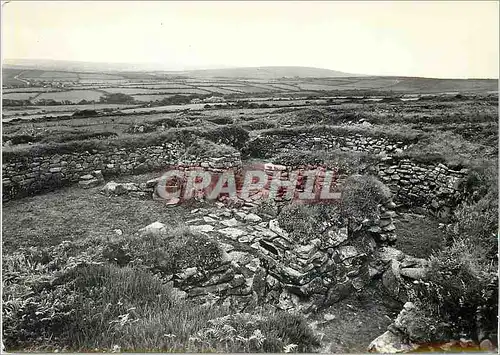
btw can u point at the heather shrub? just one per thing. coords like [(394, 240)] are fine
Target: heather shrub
[(361, 195)]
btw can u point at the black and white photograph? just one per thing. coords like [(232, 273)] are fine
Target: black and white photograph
[(249, 176)]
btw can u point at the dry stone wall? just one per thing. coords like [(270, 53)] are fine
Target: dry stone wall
[(432, 186), (263, 264), (269, 145), (34, 174)]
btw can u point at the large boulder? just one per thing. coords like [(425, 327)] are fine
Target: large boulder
[(390, 343)]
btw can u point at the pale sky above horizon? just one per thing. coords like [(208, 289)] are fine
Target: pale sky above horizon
[(449, 39)]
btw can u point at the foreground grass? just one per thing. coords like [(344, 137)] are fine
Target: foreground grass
[(102, 307), (74, 213), (412, 230)]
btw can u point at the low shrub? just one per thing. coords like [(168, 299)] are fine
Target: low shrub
[(394, 132), (165, 253), (361, 195), (259, 124), (447, 147), (233, 135), (203, 148), (230, 135), (305, 222), (221, 120), (461, 293)]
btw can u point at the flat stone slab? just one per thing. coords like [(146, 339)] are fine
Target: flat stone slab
[(87, 184), (205, 228), (229, 222), (233, 233)]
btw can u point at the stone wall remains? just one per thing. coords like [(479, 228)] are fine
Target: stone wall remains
[(33, 174)]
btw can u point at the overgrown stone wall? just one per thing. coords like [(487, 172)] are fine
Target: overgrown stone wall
[(430, 185), (33, 174), (268, 145)]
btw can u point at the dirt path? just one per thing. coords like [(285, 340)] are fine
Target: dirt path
[(17, 77)]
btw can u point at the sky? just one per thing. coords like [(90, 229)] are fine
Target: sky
[(449, 39)]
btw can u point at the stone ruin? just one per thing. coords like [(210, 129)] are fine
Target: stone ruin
[(263, 265)]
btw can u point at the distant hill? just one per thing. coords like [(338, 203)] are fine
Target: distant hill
[(268, 73), (173, 68), (94, 67)]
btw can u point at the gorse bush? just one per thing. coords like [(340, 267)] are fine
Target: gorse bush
[(361, 195), (203, 148), (461, 293)]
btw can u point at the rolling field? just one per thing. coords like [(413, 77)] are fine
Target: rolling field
[(143, 89), (74, 96), (20, 95)]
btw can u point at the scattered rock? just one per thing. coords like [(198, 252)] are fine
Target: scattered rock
[(336, 237), (487, 345), (87, 184), (230, 222), (388, 253), (391, 279), (155, 228), (414, 273), (347, 252), (113, 188), (274, 226), (329, 317), (152, 183)]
